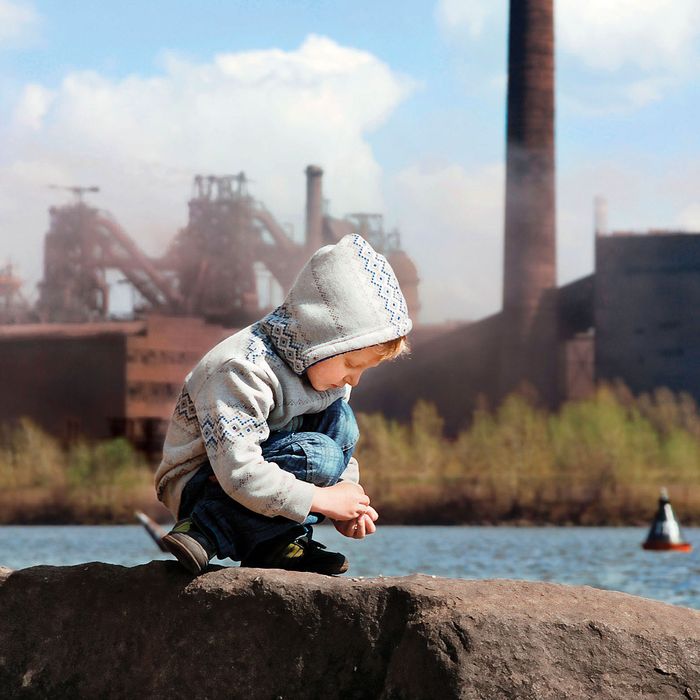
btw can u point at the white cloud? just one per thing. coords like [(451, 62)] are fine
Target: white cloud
[(634, 51), (603, 34), (689, 218), (16, 19), (609, 35), (34, 103), (470, 16), (452, 223), (641, 195), (644, 91), (613, 97), (143, 138)]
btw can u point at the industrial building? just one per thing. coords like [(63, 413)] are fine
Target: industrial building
[(646, 300), (633, 320), (77, 372), (101, 380)]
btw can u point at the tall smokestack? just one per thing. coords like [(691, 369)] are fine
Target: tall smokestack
[(530, 240), (314, 208)]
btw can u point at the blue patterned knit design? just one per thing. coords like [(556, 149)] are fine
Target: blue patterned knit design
[(282, 328), (184, 408), (219, 429), (259, 345), (383, 279)]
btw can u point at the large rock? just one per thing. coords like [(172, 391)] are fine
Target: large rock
[(101, 631)]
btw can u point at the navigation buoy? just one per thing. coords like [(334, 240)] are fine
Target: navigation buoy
[(665, 534)]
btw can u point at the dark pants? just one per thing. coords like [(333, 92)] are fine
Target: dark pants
[(318, 453)]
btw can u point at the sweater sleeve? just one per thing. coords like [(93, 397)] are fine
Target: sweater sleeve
[(232, 408), (352, 472)]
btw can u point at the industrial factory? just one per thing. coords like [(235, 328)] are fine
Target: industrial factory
[(68, 366), (634, 319)]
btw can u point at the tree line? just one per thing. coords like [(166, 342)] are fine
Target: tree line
[(601, 460)]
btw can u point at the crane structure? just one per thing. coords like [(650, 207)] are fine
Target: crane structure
[(214, 257), (215, 267), (82, 244)]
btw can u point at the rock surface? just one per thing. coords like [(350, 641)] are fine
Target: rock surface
[(152, 631)]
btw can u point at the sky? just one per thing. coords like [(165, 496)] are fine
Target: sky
[(401, 103)]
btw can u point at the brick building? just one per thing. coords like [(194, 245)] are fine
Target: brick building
[(101, 380)]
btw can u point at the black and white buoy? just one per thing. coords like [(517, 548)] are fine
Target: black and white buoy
[(665, 533)]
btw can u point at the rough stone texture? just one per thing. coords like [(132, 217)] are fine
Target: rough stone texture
[(102, 631)]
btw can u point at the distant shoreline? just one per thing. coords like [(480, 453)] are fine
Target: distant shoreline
[(596, 462), (50, 507), (394, 521)]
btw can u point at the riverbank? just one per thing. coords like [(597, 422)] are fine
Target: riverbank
[(599, 461), (40, 508)]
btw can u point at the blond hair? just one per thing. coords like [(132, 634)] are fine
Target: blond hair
[(392, 348)]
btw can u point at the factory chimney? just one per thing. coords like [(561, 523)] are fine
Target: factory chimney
[(529, 313), (314, 208)]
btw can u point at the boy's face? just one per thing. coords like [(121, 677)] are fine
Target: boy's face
[(340, 370)]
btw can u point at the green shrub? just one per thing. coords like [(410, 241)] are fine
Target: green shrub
[(42, 481), (601, 459)]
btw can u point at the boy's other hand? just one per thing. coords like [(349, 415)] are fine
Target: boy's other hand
[(360, 527), (342, 501)]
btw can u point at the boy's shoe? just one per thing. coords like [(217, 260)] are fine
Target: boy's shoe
[(301, 554), (189, 546)]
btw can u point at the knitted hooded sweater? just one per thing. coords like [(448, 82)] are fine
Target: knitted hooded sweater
[(345, 298)]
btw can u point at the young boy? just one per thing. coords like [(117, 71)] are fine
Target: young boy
[(260, 444)]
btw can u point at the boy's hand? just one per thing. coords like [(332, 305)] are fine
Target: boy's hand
[(342, 501), (360, 527)]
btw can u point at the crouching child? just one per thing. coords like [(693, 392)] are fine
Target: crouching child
[(260, 444)]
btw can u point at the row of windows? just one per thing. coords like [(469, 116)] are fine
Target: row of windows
[(149, 356), (147, 391)]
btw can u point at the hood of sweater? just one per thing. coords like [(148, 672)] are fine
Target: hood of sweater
[(345, 298)]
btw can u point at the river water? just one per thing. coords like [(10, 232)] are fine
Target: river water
[(609, 558)]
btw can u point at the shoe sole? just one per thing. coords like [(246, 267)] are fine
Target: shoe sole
[(194, 562), (328, 572)]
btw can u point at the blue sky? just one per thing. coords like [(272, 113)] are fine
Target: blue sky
[(402, 103)]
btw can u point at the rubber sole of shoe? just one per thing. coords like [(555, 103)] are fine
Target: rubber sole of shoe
[(188, 552), (324, 572), (343, 568)]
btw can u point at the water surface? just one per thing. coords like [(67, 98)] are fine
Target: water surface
[(609, 558)]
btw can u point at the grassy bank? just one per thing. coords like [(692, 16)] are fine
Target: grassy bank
[(598, 461), (43, 482)]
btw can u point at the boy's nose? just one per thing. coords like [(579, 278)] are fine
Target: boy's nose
[(353, 379)]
